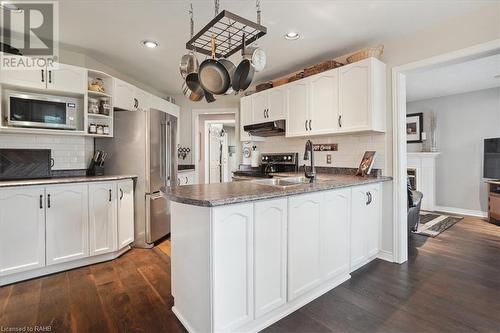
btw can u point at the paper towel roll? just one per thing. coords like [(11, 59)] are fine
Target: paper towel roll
[(255, 158)]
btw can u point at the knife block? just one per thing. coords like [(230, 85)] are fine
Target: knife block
[(95, 170)]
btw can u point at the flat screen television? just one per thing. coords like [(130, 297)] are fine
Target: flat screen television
[(491, 158)]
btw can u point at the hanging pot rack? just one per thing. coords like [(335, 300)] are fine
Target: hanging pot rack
[(228, 30)]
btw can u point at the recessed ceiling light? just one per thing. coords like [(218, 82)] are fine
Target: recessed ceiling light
[(292, 35), (151, 44)]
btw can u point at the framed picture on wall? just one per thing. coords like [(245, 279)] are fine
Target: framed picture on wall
[(414, 127)]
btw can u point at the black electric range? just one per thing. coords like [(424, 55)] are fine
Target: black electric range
[(270, 163)]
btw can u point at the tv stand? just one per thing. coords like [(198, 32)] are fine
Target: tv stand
[(494, 201)]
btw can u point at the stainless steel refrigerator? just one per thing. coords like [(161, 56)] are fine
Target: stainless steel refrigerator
[(145, 145)]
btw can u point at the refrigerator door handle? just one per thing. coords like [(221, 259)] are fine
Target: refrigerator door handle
[(162, 151), (169, 153)]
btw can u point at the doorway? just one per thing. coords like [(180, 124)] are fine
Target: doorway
[(216, 144), (400, 165)]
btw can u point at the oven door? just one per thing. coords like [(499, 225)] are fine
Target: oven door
[(33, 110)]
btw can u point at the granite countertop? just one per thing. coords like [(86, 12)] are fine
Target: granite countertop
[(62, 180), (211, 195)]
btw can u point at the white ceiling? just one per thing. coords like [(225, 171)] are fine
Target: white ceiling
[(111, 30), (454, 79)]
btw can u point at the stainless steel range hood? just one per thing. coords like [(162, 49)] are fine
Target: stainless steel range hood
[(271, 128)]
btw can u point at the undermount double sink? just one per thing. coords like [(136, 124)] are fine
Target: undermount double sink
[(284, 182)]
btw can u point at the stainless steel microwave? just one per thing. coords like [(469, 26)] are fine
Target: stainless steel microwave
[(41, 111)]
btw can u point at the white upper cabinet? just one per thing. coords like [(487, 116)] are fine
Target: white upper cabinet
[(259, 107), (64, 78), (66, 223), (324, 99), (124, 95), (342, 100), (297, 106), (67, 78), (362, 96), (25, 78), (22, 229), (102, 218), (131, 98), (125, 213), (268, 105), (142, 99)]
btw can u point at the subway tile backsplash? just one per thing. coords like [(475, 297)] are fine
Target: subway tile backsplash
[(68, 152), (350, 149)]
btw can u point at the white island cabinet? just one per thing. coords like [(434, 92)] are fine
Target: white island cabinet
[(241, 267)]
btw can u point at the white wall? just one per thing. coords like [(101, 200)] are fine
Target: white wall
[(186, 118), (68, 152), (463, 122)]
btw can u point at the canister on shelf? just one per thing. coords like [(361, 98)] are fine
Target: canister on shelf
[(104, 106), (100, 129), (93, 105), (105, 129), (92, 128)]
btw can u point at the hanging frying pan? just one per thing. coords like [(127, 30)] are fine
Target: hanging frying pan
[(191, 88), (213, 76), (231, 68), (244, 73)]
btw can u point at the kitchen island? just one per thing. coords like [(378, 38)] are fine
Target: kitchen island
[(246, 254)]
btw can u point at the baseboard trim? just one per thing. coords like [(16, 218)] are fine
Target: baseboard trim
[(51, 269), (460, 211), (386, 255)]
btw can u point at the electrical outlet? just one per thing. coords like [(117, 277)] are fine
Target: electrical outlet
[(328, 158)]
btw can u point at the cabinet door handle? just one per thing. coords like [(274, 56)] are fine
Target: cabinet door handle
[(367, 198), (50, 76), (121, 194), (305, 125), (371, 198), (186, 180), (48, 200), (109, 195), (340, 120), (310, 127), (136, 103), (43, 75), (41, 201)]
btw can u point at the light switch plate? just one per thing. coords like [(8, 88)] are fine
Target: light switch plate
[(328, 158)]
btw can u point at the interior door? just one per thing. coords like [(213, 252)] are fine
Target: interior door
[(157, 149), (215, 158)]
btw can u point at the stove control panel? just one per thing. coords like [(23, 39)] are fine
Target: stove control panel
[(280, 158)]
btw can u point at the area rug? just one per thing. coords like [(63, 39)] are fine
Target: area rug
[(432, 224)]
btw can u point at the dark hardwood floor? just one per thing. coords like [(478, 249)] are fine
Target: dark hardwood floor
[(450, 284)]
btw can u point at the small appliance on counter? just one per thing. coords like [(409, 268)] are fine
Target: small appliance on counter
[(25, 164), (270, 163), (247, 153)]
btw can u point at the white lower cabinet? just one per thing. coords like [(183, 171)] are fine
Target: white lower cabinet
[(270, 243), (125, 212), (304, 249), (365, 224), (232, 266), (335, 221), (318, 243), (22, 229), (66, 223), (102, 218), (44, 226)]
